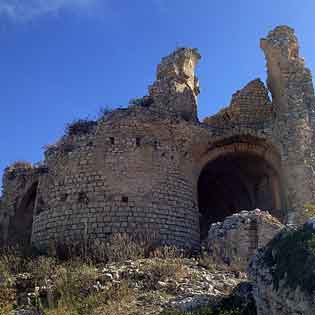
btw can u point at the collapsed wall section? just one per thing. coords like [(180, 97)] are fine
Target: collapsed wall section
[(249, 106)]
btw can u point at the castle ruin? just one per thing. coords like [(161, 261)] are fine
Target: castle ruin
[(153, 167)]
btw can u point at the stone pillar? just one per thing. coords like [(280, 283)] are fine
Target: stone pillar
[(176, 87), (291, 86)]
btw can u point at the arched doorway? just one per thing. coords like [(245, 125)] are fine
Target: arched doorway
[(20, 227), (234, 181)]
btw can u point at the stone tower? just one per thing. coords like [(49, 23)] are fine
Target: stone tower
[(290, 84), (154, 168)]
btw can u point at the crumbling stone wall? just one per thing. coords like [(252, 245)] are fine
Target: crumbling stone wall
[(287, 123), (176, 87), (18, 201), (250, 105), (137, 169), (235, 240), (132, 174), (290, 83)]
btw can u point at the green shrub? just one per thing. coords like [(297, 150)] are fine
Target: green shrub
[(136, 101), (13, 169), (80, 127), (143, 101), (291, 257)]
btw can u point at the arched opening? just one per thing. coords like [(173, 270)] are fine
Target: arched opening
[(20, 228), (234, 182)]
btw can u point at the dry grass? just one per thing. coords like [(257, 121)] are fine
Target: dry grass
[(42, 268), (121, 247), (7, 298), (72, 279), (168, 252), (158, 271), (7, 291), (77, 301)]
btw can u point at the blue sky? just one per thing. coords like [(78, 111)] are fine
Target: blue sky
[(64, 59)]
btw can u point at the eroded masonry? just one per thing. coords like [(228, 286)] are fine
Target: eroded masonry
[(154, 168)]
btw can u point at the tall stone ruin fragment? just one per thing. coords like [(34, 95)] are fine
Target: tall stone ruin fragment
[(290, 84)]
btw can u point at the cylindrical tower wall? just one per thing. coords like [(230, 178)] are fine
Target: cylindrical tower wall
[(132, 174)]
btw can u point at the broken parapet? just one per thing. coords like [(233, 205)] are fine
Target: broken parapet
[(250, 105), (177, 87)]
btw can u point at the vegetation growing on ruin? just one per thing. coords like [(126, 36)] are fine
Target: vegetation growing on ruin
[(20, 164), (291, 257), (143, 101), (80, 127), (14, 168)]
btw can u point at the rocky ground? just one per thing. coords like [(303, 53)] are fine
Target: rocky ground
[(143, 286), (128, 278)]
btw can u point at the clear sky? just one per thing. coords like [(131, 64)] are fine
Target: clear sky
[(64, 59)]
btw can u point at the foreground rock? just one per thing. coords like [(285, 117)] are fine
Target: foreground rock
[(235, 240), (283, 273), (154, 286)]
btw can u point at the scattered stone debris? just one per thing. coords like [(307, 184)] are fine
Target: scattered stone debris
[(235, 240), (157, 284)]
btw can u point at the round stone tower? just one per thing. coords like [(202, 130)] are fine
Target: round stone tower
[(130, 172), (153, 169)]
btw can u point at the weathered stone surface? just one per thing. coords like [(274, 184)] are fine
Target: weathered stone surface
[(177, 87), (235, 241), (283, 273), (290, 84), (154, 168), (250, 105), (27, 311)]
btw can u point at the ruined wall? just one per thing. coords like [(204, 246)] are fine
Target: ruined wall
[(18, 202), (236, 240), (250, 105), (250, 113), (137, 170), (131, 173), (176, 88), (290, 83)]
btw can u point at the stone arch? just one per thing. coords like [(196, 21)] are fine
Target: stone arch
[(239, 174), (20, 226)]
